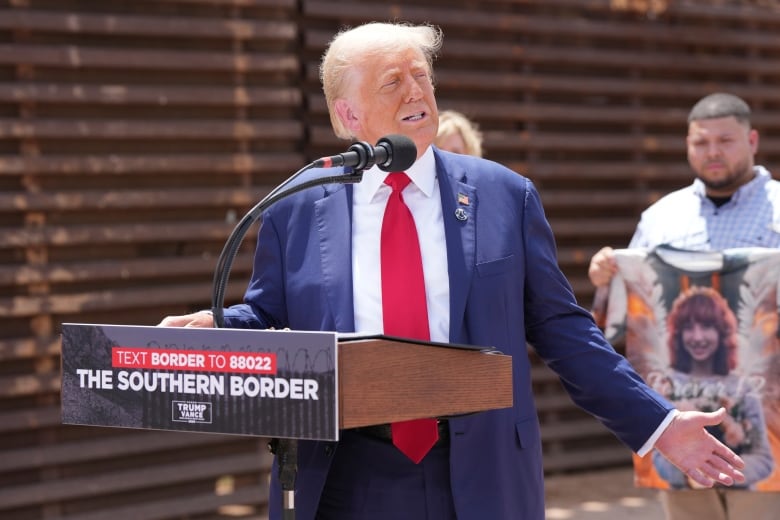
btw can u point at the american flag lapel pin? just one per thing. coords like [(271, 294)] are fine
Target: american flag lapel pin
[(460, 213)]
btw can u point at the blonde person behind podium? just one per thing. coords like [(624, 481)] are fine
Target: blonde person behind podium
[(491, 278), (458, 134)]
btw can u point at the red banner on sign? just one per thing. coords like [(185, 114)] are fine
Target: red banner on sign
[(193, 360)]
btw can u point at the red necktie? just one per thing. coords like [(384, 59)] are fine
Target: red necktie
[(404, 309)]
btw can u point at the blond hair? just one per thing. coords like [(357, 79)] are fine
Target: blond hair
[(351, 46), (452, 123)]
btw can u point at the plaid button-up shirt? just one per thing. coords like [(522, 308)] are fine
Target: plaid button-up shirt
[(687, 219)]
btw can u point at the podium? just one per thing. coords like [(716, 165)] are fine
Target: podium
[(281, 384), (387, 379)]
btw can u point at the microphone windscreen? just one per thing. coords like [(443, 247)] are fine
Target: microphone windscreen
[(403, 152)]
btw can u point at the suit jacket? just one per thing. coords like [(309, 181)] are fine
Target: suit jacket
[(506, 291)]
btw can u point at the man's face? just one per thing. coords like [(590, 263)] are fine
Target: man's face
[(390, 94), (721, 152)]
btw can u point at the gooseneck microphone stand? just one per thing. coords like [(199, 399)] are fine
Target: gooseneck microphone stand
[(229, 251), (286, 450), (393, 152)]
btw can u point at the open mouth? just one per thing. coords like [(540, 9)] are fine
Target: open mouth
[(415, 117)]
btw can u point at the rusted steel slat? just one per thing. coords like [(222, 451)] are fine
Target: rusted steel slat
[(27, 384), (584, 141), (678, 171), (579, 227), (456, 18), (116, 233), (208, 163), (590, 458), (281, 4), (138, 480), (116, 269), (608, 58), (127, 443), (110, 300), (596, 200), (149, 129), (460, 79), (83, 200), (77, 57), (27, 348), (163, 95), (145, 26), (562, 430), (30, 420)]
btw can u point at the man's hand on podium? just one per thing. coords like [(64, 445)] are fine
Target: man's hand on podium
[(203, 319)]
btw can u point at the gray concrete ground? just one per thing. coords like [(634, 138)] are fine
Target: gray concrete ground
[(600, 495)]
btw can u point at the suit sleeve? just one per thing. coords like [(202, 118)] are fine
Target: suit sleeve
[(566, 337), (263, 300)]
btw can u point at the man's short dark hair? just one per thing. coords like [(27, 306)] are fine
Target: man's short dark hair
[(718, 105)]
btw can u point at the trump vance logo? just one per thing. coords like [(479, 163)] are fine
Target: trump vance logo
[(191, 412)]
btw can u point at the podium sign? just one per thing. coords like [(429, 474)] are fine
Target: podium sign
[(249, 382), (284, 384)]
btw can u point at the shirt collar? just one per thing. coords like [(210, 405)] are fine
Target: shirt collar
[(760, 178), (422, 173)]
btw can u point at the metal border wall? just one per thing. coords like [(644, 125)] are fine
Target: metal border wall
[(134, 134)]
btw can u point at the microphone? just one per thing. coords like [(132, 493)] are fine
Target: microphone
[(394, 152)]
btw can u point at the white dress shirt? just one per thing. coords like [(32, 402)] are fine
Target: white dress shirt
[(368, 206)]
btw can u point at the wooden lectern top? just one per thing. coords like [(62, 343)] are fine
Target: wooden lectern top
[(382, 379)]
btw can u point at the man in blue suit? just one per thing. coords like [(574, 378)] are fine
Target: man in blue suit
[(491, 278)]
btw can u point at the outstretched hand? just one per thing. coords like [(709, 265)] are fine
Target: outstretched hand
[(698, 454)]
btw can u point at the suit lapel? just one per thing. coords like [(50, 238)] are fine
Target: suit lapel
[(459, 207), (333, 217)]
